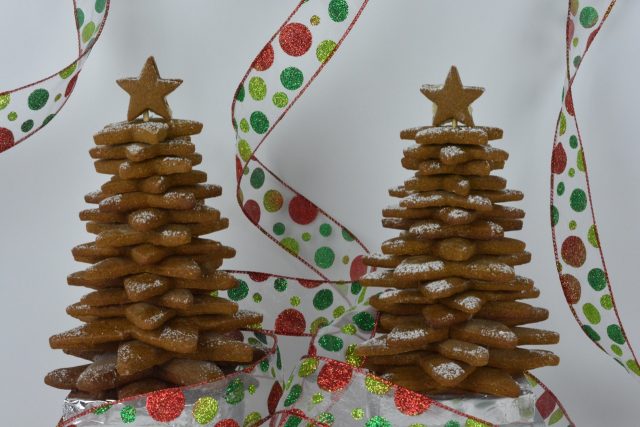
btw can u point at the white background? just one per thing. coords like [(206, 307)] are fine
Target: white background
[(348, 123)]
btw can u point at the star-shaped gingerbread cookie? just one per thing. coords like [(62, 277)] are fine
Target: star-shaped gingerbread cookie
[(148, 91)]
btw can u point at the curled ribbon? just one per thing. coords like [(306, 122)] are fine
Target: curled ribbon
[(27, 109), (576, 243)]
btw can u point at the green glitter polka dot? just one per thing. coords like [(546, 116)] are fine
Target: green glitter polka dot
[(79, 17), (323, 299), (606, 302), (12, 116), (326, 418), (38, 99), (245, 171), (257, 88), (575, 41), (324, 257), (591, 333), (291, 78), (597, 279), (317, 398), (307, 367), (616, 350), (101, 410), (588, 17), (452, 423), (128, 414), (295, 300), (234, 392), (252, 388), (257, 297), (573, 141), (293, 421), (280, 99), (278, 228), (272, 201), (331, 342), (347, 236), (67, 72), (264, 365), (338, 311), (240, 93), (27, 126), (365, 321), (615, 333), (244, 149), (100, 5), (376, 386), (572, 225), (555, 216), (291, 245), (349, 329), (57, 97), (357, 413), (325, 230), (205, 409), (320, 322), (315, 20), (306, 236), (338, 10), (560, 189), (572, 172), (474, 423), (240, 292), (378, 421), (591, 313), (578, 200), (5, 100), (633, 366), (592, 237), (351, 357), (244, 126), (563, 124), (280, 284), (580, 161), (257, 178), (88, 31), (251, 419), (356, 287), (345, 259), (325, 49), (259, 122), (294, 395)]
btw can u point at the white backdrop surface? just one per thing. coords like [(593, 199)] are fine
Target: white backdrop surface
[(339, 146)]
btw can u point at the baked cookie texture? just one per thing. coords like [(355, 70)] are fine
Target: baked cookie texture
[(153, 319), (454, 314)]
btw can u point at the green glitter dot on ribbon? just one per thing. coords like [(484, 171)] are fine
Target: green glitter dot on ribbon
[(27, 126), (244, 149), (280, 99), (563, 124), (293, 395), (307, 367), (240, 93), (240, 292), (306, 236), (588, 17), (376, 386), (5, 100), (279, 228), (555, 216), (356, 287), (88, 31), (293, 421), (378, 421), (244, 126), (597, 279), (234, 392), (38, 99), (591, 333), (325, 49), (324, 257), (280, 284), (347, 236), (331, 342), (317, 398), (616, 350), (349, 329), (326, 418), (257, 178), (205, 409), (291, 245), (338, 10), (318, 323), (325, 230), (12, 116), (357, 413), (264, 365), (251, 419), (101, 410), (128, 414), (578, 200), (257, 297), (323, 299), (592, 237), (560, 188), (606, 302), (338, 311), (100, 5), (259, 122), (257, 88), (633, 366), (295, 300), (291, 78), (79, 17), (573, 141), (48, 119), (364, 320), (615, 333), (591, 313)]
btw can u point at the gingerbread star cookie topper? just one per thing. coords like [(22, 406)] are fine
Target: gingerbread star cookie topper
[(452, 100), (148, 91)]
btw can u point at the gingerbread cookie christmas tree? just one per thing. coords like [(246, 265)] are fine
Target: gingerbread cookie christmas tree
[(454, 320), (153, 319)]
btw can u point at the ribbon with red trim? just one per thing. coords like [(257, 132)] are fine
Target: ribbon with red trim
[(578, 252), (27, 109)]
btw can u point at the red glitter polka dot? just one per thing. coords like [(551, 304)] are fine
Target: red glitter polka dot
[(559, 159), (310, 284), (571, 288), (259, 277), (252, 209), (71, 85), (358, 269), (295, 39), (573, 251), (264, 60), (6, 139), (274, 397), (290, 322), (410, 403), (546, 404), (227, 423), (302, 211), (334, 376), (568, 103), (165, 405), (238, 168)]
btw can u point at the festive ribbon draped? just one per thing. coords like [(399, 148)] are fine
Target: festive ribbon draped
[(579, 256), (26, 110)]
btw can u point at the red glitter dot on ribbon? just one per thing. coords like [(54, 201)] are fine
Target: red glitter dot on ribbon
[(6, 139), (295, 39), (290, 322), (573, 251), (558, 159), (165, 405), (259, 277), (310, 284), (568, 103), (409, 402), (358, 269), (264, 60), (274, 397), (238, 168), (571, 288), (252, 209), (546, 404), (71, 85), (302, 211), (334, 376), (227, 423)]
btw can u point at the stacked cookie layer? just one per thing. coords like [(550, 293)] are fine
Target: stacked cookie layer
[(152, 320), (454, 318)]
